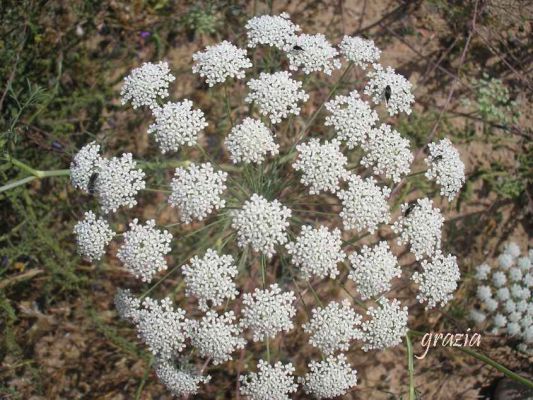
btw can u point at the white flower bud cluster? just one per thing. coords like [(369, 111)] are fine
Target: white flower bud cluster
[(329, 378), (84, 165), (118, 182), (400, 90), (127, 305), (270, 382), (364, 204), (196, 191), (92, 236), (323, 166), (351, 118), (268, 312), (387, 325), (373, 268), (261, 224), (388, 153), (250, 141), (446, 168), (421, 228), (216, 336), (179, 382), (361, 52), (211, 278), (317, 251), (333, 327), (162, 328), (276, 95), (271, 30), (313, 53), (438, 280), (219, 62), (176, 124), (505, 294), (144, 249), (144, 85)]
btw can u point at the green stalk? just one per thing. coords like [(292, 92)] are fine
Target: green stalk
[(410, 367), (35, 174)]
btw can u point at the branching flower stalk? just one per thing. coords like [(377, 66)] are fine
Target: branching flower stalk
[(255, 239)]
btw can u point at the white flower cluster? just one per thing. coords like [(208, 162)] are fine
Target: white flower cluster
[(387, 325), (329, 378), (196, 191), (268, 312), (270, 382), (127, 305), (271, 30), (144, 85), (219, 62), (506, 296), (261, 224), (323, 166), (364, 204), (250, 141), (438, 280), (446, 168), (211, 278), (421, 227), (176, 124), (179, 382), (351, 118), (317, 251), (359, 51), (313, 53), (118, 182), (400, 89), (216, 336), (92, 236), (373, 268), (333, 327), (84, 164), (162, 328), (276, 95), (144, 249), (388, 153)]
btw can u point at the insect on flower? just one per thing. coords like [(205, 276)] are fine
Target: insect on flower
[(409, 209), (297, 48), (437, 158), (92, 183), (387, 93)]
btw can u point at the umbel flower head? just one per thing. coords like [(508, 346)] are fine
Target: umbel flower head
[(351, 118), (85, 166), (269, 382), (268, 312), (127, 305), (333, 327), (323, 166), (179, 382), (359, 51), (271, 30), (445, 167), (197, 190), (276, 95), (144, 249), (387, 325), (211, 279), (177, 124), (144, 85), (400, 89), (329, 378), (373, 268), (312, 53), (261, 224), (317, 251), (220, 62), (93, 235), (250, 141)]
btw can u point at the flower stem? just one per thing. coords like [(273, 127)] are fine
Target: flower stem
[(410, 367), (35, 174)]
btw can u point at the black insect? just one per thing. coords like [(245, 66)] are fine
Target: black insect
[(56, 146), (92, 183), (409, 209), (297, 48), (388, 92), (437, 158)]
